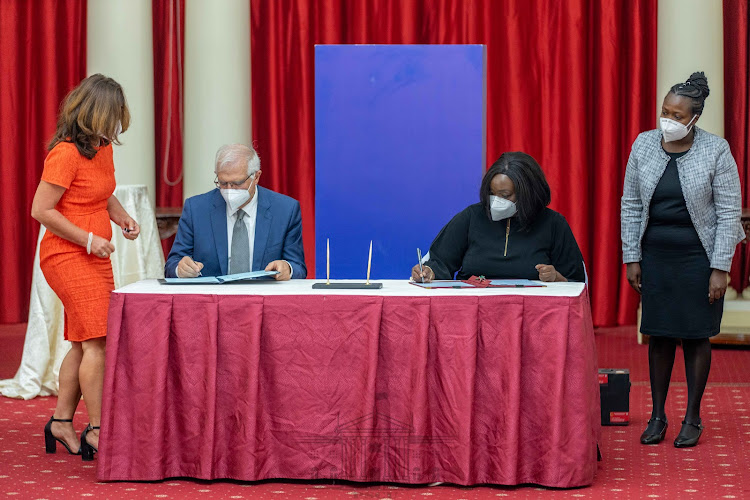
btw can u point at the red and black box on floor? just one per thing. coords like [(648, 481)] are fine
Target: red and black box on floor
[(614, 391)]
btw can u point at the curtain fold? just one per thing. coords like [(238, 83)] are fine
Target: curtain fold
[(737, 111), (571, 83), (42, 57), (168, 36)]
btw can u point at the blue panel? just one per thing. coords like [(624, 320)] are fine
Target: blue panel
[(399, 150)]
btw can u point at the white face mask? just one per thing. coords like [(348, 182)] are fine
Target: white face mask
[(500, 208), (235, 198), (674, 130)]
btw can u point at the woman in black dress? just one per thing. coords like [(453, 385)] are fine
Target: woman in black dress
[(681, 211), (509, 234)]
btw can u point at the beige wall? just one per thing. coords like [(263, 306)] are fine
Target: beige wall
[(690, 38), (217, 86), (217, 75), (119, 45)]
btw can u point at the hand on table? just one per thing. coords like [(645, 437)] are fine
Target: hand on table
[(425, 276), (283, 267), (547, 272), (188, 268)]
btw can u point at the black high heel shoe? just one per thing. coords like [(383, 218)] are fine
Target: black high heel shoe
[(654, 437), (50, 441), (684, 441), (87, 451)]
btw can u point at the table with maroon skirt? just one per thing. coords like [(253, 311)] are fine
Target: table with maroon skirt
[(402, 384)]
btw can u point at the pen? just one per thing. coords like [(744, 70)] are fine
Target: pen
[(369, 263), (419, 257)]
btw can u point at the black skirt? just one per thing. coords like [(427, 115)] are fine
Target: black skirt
[(674, 285), (675, 270)]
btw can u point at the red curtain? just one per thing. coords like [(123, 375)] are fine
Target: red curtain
[(572, 83), (168, 30), (42, 57), (737, 110)]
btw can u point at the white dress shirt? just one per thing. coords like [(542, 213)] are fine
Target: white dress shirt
[(251, 211)]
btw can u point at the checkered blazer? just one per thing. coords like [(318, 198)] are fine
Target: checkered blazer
[(710, 185)]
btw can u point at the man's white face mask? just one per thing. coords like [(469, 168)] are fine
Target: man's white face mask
[(235, 198)]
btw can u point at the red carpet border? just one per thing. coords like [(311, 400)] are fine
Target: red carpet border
[(718, 468)]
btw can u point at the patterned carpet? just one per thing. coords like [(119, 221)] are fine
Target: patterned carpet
[(716, 468)]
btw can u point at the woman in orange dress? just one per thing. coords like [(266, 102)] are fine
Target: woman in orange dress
[(74, 201)]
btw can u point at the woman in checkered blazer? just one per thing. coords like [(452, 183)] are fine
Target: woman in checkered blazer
[(680, 217)]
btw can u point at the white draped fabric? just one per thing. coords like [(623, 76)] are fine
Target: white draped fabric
[(44, 347)]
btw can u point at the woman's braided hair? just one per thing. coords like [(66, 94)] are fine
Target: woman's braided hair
[(696, 88)]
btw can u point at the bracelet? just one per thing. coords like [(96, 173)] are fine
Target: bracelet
[(88, 245)]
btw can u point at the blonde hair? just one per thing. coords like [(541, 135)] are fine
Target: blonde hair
[(91, 112)]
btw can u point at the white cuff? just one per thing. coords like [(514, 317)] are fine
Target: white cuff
[(177, 270), (291, 268)]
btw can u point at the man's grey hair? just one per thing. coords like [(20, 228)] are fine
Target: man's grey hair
[(230, 156)]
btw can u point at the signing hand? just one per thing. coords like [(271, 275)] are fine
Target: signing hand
[(283, 267), (130, 228), (101, 247), (188, 268), (717, 285), (425, 276), (547, 272)]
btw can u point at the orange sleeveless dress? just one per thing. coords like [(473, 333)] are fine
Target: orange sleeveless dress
[(83, 282)]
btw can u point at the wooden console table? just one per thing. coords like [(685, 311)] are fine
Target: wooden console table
[(167, 219)]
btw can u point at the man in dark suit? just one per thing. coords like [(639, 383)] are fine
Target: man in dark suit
[(239, 226)]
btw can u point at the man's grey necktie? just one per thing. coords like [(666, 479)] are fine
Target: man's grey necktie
[(240, 262)]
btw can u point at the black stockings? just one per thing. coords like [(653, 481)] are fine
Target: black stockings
[(660, 361), (661, 352), (697, 365)]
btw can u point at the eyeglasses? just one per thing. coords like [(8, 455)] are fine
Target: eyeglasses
[(229, 185)]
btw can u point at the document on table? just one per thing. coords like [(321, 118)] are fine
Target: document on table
[(192, 281), (443, 284), (218, 280), (515, 283)]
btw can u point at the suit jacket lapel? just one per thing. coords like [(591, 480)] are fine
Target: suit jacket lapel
[(262, 227), (219, 227)]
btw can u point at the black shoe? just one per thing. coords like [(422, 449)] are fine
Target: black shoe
[(50, 441), (87, 451), (687, 436), (654, 433)]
